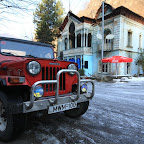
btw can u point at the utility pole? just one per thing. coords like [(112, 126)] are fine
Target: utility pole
[(69, 5), (102, 29), (102, 38)]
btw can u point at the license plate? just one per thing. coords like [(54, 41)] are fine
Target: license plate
[(62, 107)]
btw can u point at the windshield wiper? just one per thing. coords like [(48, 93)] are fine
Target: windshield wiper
[(30, 56), (7, 53)]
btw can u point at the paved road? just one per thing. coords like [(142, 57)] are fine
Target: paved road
[(115, 116)]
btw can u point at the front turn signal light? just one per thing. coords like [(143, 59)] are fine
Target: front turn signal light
[(16, 80)]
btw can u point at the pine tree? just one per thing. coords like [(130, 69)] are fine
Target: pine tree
[(48, 17)]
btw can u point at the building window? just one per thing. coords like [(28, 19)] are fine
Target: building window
[(129, 39), (85, 38), (89, 39), (72, 60), (72, 35), (82, 62), (86, 64), (79, 40), (61, 55), (65, 58), (65, 43), (106, 67), (78, 61), (106, 32), (108, 42), (127, 68), (140, 41)]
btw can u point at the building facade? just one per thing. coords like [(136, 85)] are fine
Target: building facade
[(79, 40)]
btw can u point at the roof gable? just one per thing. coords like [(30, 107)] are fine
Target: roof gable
[(75, 18), (125, 12), (108, 9)]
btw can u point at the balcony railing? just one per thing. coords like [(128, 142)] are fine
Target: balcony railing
[(107, 47), (79, 50)]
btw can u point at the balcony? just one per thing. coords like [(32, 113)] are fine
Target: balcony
[(78, 51), (107, 47)]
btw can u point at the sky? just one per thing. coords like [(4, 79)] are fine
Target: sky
[(21, 25)]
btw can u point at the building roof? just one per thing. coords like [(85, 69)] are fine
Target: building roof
[(25, 41), (129, 14), (125, 12), (115, 11), (81, 19)]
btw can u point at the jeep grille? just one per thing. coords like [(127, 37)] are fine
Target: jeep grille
[(49, 73)]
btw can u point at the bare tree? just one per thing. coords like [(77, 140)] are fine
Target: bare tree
[(16, 8)]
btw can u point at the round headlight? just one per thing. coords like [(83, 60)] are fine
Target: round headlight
[(34, 67), (38, 91), (72, 67)]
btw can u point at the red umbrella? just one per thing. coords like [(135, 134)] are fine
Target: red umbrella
[(117, 59)]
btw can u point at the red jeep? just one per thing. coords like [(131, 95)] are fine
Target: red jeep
[(32, 80)]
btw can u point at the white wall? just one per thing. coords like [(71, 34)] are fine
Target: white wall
[(126, 25)]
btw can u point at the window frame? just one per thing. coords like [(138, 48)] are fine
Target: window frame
[(86, 64), (89, 39), (78, 40), (107, 66), (66, 43), (129, 39), (140, 41)]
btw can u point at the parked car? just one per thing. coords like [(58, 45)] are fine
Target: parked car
[(31, 79)]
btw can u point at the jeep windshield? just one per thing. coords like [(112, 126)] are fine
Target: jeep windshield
[(26, 50)]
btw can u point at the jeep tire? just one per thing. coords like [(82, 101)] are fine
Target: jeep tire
[(80, 110), (10, 124)]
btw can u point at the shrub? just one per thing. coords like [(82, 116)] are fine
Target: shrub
[(140, 61), (82, 72)]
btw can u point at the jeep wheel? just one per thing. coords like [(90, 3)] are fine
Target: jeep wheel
[(10, 125), (80, 110), (3, 119)]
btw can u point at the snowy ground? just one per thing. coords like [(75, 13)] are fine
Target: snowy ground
[(115, 116)]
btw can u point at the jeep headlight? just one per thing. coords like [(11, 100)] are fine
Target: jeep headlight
[(72, 67), (34, 67)]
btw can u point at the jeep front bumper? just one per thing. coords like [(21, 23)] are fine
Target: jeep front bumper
[(44, 104)]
